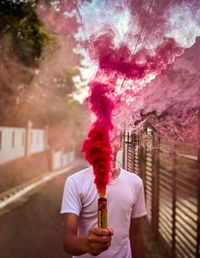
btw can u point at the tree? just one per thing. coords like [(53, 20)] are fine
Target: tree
[(29, 51), (19, 19)]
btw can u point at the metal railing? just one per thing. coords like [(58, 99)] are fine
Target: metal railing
[(172, 191)]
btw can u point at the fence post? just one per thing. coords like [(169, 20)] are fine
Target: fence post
[(174, 196), (133, 149), (142, 156), (28, 139), (144, 165), (123, 149), (155, 176), (198, 205), (130, 152)]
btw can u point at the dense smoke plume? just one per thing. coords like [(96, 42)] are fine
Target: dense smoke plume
[(134, 46)]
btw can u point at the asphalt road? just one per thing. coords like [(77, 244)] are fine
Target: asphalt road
[(32, 227)]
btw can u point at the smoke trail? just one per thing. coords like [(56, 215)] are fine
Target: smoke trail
[(133, 44), (132, 66), (132, 53), (97, 147)]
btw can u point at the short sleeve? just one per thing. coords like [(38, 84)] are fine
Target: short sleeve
[(139, 208), (71, 202)]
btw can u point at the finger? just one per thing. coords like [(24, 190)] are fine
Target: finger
[(100, 231), (110, 231), (97, 248), (108, 245), (99, 239), (100, 247), (95, 251)]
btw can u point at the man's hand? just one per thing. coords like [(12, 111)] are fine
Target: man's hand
[(98, 240)]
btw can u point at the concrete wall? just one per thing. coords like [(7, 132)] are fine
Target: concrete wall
[(61, 160), (65, 159), (37, 141), (12, 143), (19, 142), (23, 142)]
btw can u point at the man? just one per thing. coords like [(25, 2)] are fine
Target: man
[(126, 210)]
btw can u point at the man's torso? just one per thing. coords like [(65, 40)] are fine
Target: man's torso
[(120, 202)]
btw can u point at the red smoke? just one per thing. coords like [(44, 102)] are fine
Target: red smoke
[(159, 32), (98, 152), (97, 147), (130, 65), (101, 104), (116, 63)]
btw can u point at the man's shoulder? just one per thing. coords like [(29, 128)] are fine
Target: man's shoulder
[(81, 180), (132, 177), (82, 174)]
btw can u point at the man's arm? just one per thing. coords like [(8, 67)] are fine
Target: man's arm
[(136, 237), (97, 241)]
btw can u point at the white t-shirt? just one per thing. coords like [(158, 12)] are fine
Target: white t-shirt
[(125, 200)]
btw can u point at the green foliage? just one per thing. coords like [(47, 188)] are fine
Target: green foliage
[(20, 19)]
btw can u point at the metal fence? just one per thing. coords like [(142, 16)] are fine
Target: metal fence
[(172, 191)]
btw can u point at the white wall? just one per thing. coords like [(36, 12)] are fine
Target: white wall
[(37, 141), (65, 159), (61, 160), (57, 160), (12, 143), (71, 156)]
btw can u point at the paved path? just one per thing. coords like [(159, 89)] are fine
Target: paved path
[(32, 227)]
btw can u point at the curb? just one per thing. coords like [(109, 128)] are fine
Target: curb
[(15, 193)]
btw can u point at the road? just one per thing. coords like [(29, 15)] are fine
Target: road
[(32, 227)]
